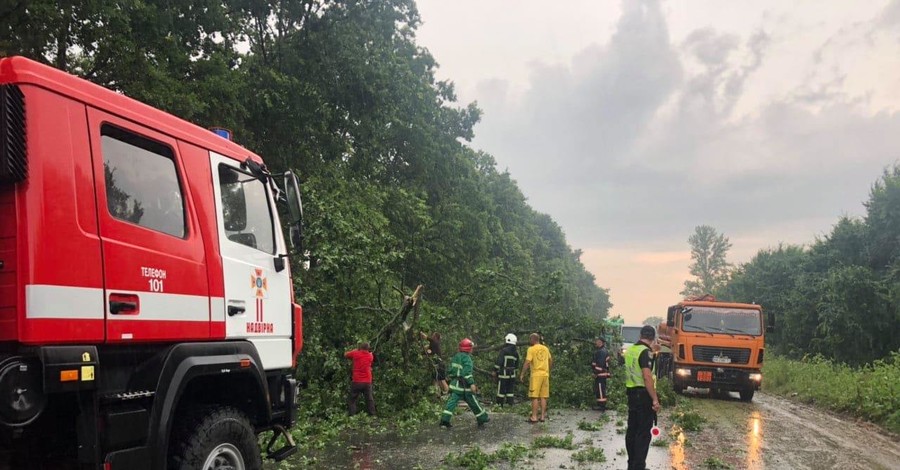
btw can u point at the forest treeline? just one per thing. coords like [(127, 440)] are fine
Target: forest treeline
[(839, 297), (394, 196)]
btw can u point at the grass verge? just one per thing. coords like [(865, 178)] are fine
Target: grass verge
[(871, 392)]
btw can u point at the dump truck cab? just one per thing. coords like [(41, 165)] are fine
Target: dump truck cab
[(715, 345)]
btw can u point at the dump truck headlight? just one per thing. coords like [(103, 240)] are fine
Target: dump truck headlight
[(683, 372), (756, 377)]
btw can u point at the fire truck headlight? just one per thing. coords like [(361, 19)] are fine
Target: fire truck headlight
[(756, 377), (683, 372)]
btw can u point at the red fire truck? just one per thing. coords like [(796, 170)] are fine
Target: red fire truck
[(147, 318)]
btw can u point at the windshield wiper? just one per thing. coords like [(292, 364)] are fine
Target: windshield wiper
[(702, 329), (720, 330), (740, 332)]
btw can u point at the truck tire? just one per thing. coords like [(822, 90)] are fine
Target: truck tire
[(679, 388), (747, 394), (214, 438)]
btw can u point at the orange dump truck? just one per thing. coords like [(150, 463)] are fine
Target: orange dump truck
[(714, 345)]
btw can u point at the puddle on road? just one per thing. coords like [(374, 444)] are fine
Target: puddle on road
[(754, 441)]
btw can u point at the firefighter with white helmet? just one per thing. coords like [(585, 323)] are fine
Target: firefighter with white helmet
[(462, 385), (505, 370)]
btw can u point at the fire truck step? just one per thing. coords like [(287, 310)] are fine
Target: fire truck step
[(285, 451)]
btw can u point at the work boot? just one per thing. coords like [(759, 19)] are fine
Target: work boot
[(446, 424)]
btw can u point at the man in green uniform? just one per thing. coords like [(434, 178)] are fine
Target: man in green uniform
[(462, 385), (643, 403)]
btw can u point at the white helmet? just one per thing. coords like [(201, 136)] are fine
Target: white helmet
[(511, 339)]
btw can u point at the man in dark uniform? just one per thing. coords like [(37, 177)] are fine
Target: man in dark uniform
[(600, 368), (643, 403), (505, 371), (433, 351)]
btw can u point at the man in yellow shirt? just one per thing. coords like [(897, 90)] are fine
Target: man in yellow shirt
[(539, 360)]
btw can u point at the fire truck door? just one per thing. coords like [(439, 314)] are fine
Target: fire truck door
[(154, 266), (257, 295)]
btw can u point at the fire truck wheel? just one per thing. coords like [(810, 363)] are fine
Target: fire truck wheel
[(214, 438)]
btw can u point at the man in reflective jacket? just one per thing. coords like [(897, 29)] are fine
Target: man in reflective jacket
[(462, 385), (505, 370), (643, 403)]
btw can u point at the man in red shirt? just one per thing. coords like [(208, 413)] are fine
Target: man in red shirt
[(361, 380)]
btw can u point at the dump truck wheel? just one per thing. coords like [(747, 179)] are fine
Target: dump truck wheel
[(747, 394), (215, 438)]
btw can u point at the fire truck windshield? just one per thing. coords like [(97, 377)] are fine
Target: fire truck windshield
[(740, 321), (631, 334)]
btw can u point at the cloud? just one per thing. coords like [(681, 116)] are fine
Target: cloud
[(890, 16), (637, 140)]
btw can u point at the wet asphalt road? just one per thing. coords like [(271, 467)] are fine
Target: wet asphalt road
[(768, 433)]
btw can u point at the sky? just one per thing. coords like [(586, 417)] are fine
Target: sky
[(631, 122)]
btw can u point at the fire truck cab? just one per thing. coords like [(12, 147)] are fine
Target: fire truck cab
[(147, 318)]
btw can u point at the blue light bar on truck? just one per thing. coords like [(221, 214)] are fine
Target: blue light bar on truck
[(222, 132)]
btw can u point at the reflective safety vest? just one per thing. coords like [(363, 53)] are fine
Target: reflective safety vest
[(633, 376)]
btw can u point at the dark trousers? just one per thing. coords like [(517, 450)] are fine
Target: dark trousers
[(640, 421), (357, 388), (600, 392), (506, 390)]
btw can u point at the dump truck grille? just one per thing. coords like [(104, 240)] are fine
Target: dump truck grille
[(719, 355)]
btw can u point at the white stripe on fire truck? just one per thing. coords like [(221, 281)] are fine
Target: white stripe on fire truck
[(71, 303), (87, 303), (169, 307), (217, 307)]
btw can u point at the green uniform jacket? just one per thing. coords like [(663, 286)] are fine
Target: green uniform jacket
[(460, 372)]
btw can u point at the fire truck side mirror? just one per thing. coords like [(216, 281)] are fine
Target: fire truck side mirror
[(295, 210), (292, 197)]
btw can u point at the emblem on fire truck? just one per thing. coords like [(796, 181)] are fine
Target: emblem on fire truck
[(260, 288), (258, 284)]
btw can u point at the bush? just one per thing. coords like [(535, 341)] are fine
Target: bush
[(543, 442), (715, 463), (478, 459), (687, 418), (589, 454), (871, 392), (667, 395)]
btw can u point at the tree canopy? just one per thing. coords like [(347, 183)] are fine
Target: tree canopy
[(709, 265)]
